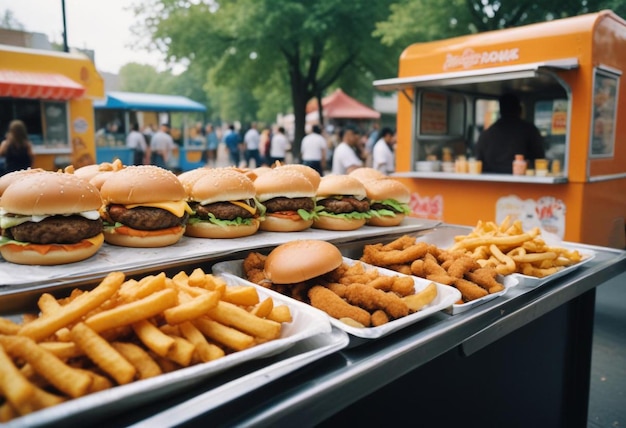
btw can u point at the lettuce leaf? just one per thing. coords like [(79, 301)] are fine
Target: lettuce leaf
[(307, 215), (212, 219), (397, 206)]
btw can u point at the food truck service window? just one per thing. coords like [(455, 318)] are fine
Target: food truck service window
[(46, 121), (604, 113)]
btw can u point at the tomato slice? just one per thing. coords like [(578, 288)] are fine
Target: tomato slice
[(125, 230), (288, 215)]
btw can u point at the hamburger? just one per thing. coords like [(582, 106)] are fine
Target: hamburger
[(144, 206), (388, 201), (366, 173), (301, 260), (341, 203), (312, 175), (50, 218), (223, 204), (288, 198)]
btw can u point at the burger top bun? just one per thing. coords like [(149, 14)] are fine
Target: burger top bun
[(48, 193), (286, 183), (99, 179), (312, 175), (301, 260), (387, 188), (221, 184), (341, 185), (88, 172), (188, 178), (366, 173), (10, 177), (256, 172), (142, 184)]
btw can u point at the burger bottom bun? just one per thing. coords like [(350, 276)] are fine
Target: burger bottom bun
[(143, 241), (59, 255), (205, 229), (386, 221), (337, 223), (276, 224)]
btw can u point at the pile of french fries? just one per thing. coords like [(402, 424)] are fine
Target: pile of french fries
[(126, 330), (510, 249)]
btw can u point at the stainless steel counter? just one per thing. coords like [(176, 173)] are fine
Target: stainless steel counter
[(315, 393)]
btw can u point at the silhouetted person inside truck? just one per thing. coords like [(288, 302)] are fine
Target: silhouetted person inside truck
[(510, 135)]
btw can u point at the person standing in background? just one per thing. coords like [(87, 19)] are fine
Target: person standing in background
[(510, 135), (264, 146), (136, 141), (345, 158), (279, 147), (16, 148), (162, 146), (383, 157), (233, 143), (211, 145), (313, 150), (252, 140)]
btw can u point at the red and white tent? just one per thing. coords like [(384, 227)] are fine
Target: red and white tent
[(340, 105)]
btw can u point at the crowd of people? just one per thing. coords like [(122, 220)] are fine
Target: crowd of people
[(336, 150)]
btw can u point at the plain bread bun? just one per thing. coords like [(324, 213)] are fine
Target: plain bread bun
[(286, 183), (188, 178), (142, 184), (47, 192), (343, 185), (301, 260)]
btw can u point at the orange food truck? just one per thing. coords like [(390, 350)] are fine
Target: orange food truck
[(52, 93), (567, 74)]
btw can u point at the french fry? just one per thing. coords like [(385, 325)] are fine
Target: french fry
[(225, 335), (103, 354), (44, 326), (192, 309), (14, 386), (8, 327), (197, 278), (423, 298), (61, 376), (153, 338), (204, 350), (181, 352), (132, 312), (264, 308), (241, 295), (140, 359), (235, 316), (280, 314)]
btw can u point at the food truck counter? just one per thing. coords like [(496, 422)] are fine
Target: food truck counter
[(522, 359), (499, 178)]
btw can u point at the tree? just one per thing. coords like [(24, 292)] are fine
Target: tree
[(250, 44), (413, 21), (9, 21)]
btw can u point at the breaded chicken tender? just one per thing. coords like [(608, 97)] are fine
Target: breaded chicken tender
[(371, 299), (379, 317), (486, 278), (462, 265), (469, 290), (324, 299)]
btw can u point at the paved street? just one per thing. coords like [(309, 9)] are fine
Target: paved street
[(607, 401)]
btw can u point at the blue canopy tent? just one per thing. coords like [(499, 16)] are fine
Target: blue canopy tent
[(118, 110)]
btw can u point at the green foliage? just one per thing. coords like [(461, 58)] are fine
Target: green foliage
[(275, 50)]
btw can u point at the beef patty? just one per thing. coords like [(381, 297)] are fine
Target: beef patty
[(221, 210), (55, 230), (346, 204), (145, 218), (289, 204)]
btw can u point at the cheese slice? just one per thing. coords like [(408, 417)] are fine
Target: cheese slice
[(178, 208), (251, 210)]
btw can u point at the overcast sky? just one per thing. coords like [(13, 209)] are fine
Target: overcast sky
[(100, 25)]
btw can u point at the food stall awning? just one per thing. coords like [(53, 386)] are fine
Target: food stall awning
[(47, 86), (340, 105), (148, 102), (469, 79)]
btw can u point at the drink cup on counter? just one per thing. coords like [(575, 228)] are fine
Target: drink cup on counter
[(475, 166), (556, 167), (541, 166)]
